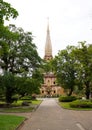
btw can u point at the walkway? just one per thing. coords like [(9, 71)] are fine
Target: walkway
[(50, 116)]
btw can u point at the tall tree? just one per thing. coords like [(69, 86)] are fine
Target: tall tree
[(64, 65), (6, 11), (7, 86), (83, 55), (27, 86), (19, 55)]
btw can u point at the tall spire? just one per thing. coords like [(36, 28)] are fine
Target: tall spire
[(48, 45)]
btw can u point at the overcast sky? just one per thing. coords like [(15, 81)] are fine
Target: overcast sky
[(70, 21)]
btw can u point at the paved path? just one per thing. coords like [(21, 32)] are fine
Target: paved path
[(50, 116)]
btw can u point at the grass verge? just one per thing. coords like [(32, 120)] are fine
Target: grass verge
[(17, 109), (66, 105), (36, 102), (20, 108), (10, 122)]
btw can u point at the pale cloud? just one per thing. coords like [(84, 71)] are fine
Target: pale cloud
[(70, 21)]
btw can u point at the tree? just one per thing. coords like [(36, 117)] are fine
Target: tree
[(20, 58), (73, 66), (27, 86), (37, 75), (19, 55), (83, 55), (47, 66), (64, 66), (6, 11), (7, 86)]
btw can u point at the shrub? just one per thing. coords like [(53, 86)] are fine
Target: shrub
[(81, 104), (33, 96), (26, 98), (67, 98), (25, 104)]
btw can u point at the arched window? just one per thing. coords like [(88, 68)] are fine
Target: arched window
[(54, 82), (42, 91), (54, 91)]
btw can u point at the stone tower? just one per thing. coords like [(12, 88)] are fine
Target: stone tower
[(48, 45), (49, 87)]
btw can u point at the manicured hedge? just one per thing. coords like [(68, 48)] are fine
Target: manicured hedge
[(81, 104), (67, 98)]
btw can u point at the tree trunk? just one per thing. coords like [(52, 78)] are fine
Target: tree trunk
[(8, 96), (87, 90), (70, 92)]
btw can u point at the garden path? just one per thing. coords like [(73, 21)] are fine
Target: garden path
[(50, 116)]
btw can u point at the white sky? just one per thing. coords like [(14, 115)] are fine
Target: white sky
[(70, 21)]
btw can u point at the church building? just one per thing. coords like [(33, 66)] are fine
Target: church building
[(49, 88)]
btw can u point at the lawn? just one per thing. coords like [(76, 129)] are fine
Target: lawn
[(36, 102), (66, 105), (10, 122), (19, 108)]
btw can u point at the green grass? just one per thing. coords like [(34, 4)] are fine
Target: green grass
[(10, 122), (18, 103), (20, 108), (36, 102), (66, 105), (16, 109)]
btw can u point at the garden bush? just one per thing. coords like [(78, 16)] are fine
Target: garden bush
[(26, 98), (81, 104), (33, 96), (67, 98), (25, 104)]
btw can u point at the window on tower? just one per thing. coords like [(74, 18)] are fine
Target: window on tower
[(54, 82), (54, 91), (42, 91)]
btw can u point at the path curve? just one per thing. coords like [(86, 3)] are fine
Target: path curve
[(50, 116)]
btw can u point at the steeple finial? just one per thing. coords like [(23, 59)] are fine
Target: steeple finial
[(48, 23)]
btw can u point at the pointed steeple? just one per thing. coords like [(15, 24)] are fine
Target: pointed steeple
[(48, 45)]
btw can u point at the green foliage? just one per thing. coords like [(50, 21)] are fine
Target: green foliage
[(26, 98), (6, 11), (81, 104), (47, 66), (8, 87), (64, 67), (83, 55), (38, 76), (19, 55), (18, 58), (73, 68), (12, 85), (27, 86), (67, 98)]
